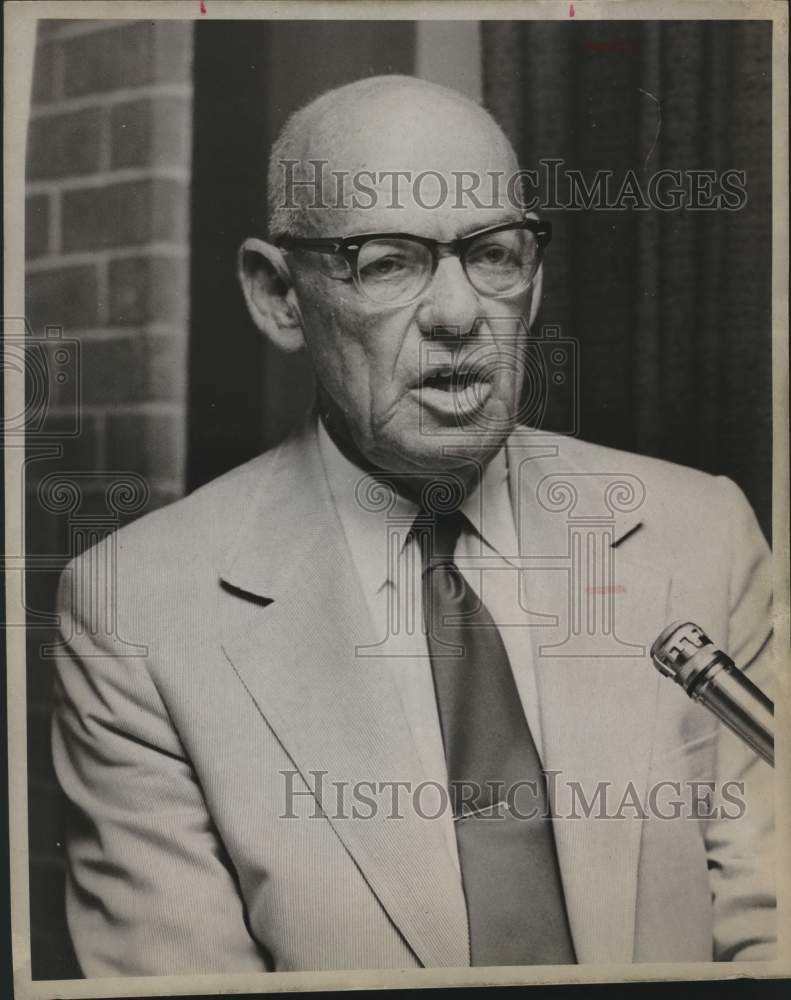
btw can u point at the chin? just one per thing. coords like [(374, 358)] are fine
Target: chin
[(418, 441), (440, 452)]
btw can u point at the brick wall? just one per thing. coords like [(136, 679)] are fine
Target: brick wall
[(107, 219)]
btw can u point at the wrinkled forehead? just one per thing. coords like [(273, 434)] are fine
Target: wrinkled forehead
[(418, 164)]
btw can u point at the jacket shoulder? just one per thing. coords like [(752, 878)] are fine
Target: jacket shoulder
[(191, 533), (684, 504), (663, 474), (585, 457)]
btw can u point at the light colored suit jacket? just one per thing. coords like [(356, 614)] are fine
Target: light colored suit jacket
[(219, 664)]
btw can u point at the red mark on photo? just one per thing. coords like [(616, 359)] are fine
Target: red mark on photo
[(614, 589), (202, 7), (572, 12)]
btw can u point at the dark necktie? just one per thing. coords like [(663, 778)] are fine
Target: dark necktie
[(509, 865)]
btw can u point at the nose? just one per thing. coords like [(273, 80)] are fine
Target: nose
[(451, 304)]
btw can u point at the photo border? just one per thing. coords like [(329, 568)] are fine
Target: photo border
[(20, 23)]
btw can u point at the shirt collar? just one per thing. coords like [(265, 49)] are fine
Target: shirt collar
[(372, 515)]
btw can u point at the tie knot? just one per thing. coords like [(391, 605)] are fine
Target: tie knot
[(439, 534)]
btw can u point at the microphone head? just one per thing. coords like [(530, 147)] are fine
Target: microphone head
[(675, 646)]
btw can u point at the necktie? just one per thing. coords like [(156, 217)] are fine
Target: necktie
[(508, 860)]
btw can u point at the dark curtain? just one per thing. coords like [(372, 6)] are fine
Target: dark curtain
[(671, 309)]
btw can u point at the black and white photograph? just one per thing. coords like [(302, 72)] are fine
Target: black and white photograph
[(396, 447)]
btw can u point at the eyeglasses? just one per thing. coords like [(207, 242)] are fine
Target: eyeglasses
[(393, 269)]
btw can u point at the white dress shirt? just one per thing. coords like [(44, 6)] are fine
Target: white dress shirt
[(387, 560)]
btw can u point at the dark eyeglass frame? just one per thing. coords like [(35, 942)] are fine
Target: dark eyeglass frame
[(349, 248)]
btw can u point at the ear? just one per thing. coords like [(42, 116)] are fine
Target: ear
[(535, 296), (269, 294)]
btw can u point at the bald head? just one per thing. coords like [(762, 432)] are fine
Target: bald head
[(377, 125)]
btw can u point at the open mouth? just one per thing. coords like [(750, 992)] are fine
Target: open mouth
[(454, 391), (452, 379)]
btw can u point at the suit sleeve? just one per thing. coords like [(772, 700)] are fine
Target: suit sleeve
[(149, 889), (740, 844)]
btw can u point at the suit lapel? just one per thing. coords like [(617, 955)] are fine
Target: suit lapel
[(333, 711), (341, 714), (596, 688)]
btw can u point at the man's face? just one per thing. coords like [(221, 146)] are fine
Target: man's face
[(385, 368)]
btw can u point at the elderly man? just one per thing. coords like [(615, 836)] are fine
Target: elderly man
[(374, 699)]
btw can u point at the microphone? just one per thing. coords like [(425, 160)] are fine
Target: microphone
[(685, 653)]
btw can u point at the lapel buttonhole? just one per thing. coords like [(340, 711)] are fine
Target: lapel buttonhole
[(614, 544)]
